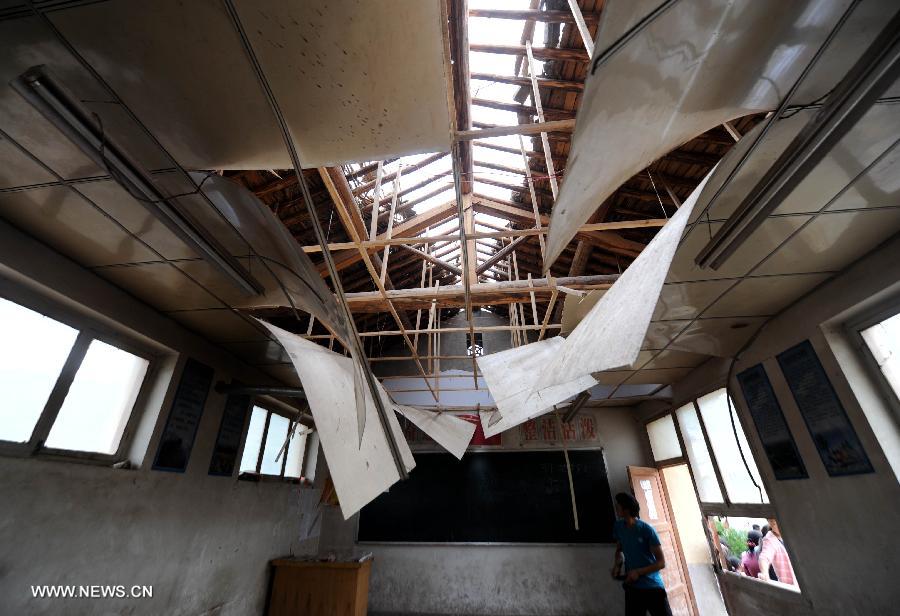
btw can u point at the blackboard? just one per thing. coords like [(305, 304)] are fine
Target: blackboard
[(768, 418), (514, 497), (228, 440), (839, 447), (184, 418)]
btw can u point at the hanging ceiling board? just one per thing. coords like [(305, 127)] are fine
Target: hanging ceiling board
[(360, 470), (287, 274), (357, 80), (510, 377), (696, 66), (610, 336), (448, 431)]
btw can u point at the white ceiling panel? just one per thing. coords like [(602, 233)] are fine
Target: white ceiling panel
[(68, 223), (160, 285), (220, 324), (132, 215), (764, 295), (18, 169), (719, 337), (357, 80), (686, 300), (832, 241), (697, 65)]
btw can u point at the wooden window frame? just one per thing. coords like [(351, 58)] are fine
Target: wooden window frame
[(88, 331)]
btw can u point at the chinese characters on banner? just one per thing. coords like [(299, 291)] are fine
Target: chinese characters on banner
[(539, 432)]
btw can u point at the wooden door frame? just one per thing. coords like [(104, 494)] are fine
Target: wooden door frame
[(665, 502)]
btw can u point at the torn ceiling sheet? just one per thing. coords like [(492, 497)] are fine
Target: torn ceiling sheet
[(697, 65), (360, 471), (357, 80), (610, 336), (447, 430), (510, 377), (286, 272)]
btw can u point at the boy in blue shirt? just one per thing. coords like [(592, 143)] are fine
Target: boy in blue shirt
[(639, 543)]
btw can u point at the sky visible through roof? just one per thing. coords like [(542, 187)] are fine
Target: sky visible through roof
[(481, 30)]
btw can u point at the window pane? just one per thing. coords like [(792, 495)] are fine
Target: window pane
[(663, 439), (884, 342), (294, 466), (253, 440), (698, 454), (718, 421), (278, 427), (100, 400), (33, 351)]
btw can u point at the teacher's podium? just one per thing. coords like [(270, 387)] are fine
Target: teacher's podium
[(313, 588)]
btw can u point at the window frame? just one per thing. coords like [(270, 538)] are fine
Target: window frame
[(88, 331), (294, 422), (854, 328), (726, 508)]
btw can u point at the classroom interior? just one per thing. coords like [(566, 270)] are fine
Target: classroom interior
[(348, 307)]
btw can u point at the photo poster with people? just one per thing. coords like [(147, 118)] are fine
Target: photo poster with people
[(184, 418), (839, 446), (228, 440), (777, 440)]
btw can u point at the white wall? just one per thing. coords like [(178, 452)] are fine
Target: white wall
[(512, 579), (839, 530), (202, 542)]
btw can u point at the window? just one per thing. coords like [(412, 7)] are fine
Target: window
[(731, 450), (63, 389), (274, 445), (663, 439), (726, 480), (746, 545), (698, 455), (883, 341)]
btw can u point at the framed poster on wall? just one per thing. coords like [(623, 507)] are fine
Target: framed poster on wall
[(768, 418), (839, 446), (228, 440), (184, 418)]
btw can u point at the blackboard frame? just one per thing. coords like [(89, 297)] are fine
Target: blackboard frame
[(605, 498)]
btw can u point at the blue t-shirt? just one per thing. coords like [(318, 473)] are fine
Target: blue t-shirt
[(636, 543)]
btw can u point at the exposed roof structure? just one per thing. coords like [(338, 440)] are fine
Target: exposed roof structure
[(494, 93)]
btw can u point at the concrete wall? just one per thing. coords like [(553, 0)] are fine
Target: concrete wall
[(512, 579), (839, 530), (202, 542)]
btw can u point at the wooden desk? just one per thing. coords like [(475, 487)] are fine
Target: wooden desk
[(309, 588)]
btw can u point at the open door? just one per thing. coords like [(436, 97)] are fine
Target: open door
[(648, 489)]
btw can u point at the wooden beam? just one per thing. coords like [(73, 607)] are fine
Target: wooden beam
[(536, 97), (549, 113), (363, 188), (482, 293), (543, 82), (541, 53), (586, 38), (560, 17), (501, 254), (416, 224), (517, 129), (432, 259)]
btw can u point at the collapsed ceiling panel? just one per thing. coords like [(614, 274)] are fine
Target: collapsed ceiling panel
[(356, 80), (742, 58), (360, 470)]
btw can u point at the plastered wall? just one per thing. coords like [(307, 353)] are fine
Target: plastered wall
[(202, 542)]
